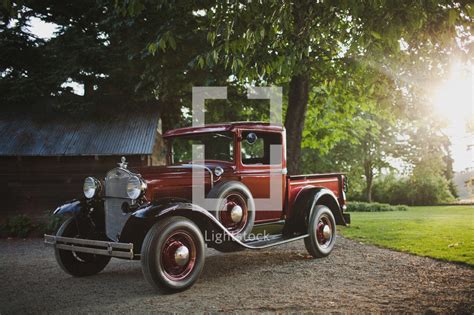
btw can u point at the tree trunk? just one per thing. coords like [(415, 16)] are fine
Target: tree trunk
[(369, 190), (294, 122), (170, 115), (88, 87), (369, 178)]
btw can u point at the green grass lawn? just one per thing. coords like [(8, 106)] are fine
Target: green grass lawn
[(443, 232)]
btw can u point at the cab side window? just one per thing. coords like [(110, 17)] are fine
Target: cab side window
[(255, 147)]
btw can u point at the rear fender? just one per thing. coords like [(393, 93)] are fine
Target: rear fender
[(305, 203)]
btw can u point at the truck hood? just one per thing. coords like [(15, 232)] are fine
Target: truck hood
[(175, 181), (151, 173)]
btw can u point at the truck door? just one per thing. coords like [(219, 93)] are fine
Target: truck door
[(255, 165)]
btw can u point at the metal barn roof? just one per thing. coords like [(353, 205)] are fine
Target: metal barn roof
[(124, 135)]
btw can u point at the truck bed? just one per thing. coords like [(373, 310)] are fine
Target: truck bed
[(317, 175), (331, 181)]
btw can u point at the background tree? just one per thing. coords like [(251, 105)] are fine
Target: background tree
[(87, 50), (297, 40), (351, 72)]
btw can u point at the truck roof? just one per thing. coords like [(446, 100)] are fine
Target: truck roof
[(254, 125)]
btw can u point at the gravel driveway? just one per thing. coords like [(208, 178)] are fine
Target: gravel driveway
[(355, 278)]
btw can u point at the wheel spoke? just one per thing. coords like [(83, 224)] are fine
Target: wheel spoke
[(324, 230), (174, 264)]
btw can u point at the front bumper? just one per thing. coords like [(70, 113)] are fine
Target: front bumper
[(113, 249)]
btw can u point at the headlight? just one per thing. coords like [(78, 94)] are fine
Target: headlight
[(135, 187), (91, 187), (218, 171)]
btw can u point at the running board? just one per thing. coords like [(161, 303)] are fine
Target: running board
[(269, 241), (272, 240)]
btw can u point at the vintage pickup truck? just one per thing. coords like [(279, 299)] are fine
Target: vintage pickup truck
[(147, 213)]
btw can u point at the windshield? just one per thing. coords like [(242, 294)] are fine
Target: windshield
[(218, 146)]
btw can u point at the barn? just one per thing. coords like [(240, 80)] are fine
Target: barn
[(44, 161)]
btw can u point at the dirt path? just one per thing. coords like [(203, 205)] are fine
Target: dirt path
[(355, 278)]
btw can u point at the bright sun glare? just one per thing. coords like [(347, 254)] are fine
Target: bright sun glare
[(453, 99)]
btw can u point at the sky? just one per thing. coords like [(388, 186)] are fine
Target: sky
[(41, 28), (453, 100)]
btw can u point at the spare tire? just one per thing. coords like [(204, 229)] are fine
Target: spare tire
[(235, 207)]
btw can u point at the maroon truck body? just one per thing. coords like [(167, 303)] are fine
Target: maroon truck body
[(167, 181), (148, 214)]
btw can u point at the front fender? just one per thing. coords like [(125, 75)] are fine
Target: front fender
[(91, 211), (156, 211), (72, 207), (147, 215), (142, 219), (81, 206)]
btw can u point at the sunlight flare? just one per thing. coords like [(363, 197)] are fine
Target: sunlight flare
[(453, 98)]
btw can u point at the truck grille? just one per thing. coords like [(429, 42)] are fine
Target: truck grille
[(115, 196)]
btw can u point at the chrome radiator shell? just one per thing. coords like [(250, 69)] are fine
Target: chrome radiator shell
[(115, 197)]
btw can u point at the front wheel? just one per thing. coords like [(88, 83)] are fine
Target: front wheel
[(78, 264), (173, 254), (322, 232)]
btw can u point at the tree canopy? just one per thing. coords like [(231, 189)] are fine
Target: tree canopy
[(353, 73)]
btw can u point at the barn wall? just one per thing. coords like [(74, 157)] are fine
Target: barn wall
[(33, 185)]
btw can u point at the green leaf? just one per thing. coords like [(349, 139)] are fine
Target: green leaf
[(201, 62), (376, 35), (453, 16), (172, 42), (211, 38), (162, 44), (152, 47), (470, 10)]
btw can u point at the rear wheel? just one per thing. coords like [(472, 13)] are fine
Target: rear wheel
[(173, 254), (78, 264), (322, 232), (235, 207)]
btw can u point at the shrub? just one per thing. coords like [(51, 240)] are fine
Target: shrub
[(53, 222), (3, 230), (50, 223), (428, 189), (373, 207), (400, 208), (19, 226)]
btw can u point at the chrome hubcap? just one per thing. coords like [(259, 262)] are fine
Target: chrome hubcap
[(236, 213), (181, 256), (327, 232)]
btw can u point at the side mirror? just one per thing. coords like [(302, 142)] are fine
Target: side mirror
[(251, 138)]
